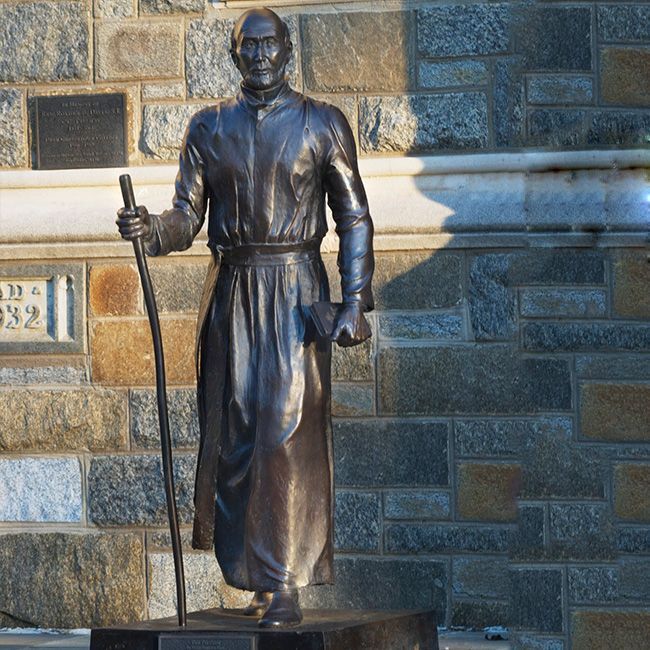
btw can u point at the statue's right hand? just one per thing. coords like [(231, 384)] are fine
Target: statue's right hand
[(134, 224)]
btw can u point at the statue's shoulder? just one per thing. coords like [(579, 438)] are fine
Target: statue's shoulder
[(328, 115), (211, 113)]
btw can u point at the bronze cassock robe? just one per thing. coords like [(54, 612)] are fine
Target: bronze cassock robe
[(262, 164)]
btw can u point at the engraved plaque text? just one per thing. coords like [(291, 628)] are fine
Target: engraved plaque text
[(205, 642)]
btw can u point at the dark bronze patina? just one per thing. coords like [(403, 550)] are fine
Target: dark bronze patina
[(262, 165)]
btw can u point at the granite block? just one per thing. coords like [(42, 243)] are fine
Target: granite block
[(171, 6), (563, 303), (559, 89), (355, 363), (356, 521), (589, 585), (625, 76), (623, 23), (631, 297), (445, 538), (618, 127), (446, 326), (509, 103), (178, 287), (487, 492), (604, 630), (445, 74), (480, 578), (478, 614), (353, 400), (420, 504), (632, 492), (557, 127), (163, 126), (634, 581), (527, 540), (581, 531), (585, 337), (13, 144), (536, 599)]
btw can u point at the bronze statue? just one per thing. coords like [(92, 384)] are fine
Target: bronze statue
[(262, 165)]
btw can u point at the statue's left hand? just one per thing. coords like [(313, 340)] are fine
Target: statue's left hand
[(351, 327)]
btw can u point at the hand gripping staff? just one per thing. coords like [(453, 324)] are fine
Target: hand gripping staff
[(163, 414)]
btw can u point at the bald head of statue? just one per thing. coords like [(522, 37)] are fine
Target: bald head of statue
[(260, 47)]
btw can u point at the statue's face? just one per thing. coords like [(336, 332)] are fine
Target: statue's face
[(261, 52)]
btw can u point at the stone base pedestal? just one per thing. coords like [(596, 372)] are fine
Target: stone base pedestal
[(221, 629)]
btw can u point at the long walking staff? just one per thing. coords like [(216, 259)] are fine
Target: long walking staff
[(163, 413)]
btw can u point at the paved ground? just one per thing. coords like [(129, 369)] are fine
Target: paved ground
[(81, 641)]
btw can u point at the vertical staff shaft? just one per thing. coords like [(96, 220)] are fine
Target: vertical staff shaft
[(163, 412)]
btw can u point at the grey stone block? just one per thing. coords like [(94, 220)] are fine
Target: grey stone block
[(554, 38), (356, 521), (448, 326), (634, 583), (417, 123), (171, 6), (581, 531), (536, 599), (469, 379), (585, 337), (421, 504), (178, 287), (353, 400), (526, 641), (183, 418), (623, 23), (390, 453), (163, 126), (480, 578), (363, 583), (527, 540), (61, 31), (128, 490), (558, 89), (46, 374), (162, 539), (445, 538), (40, 489), (509, 103), (444, 74), (353, 364), (452, 30), (13, 144), (504, 437), (477, 615), (114, 8), (633, 539), (169, 90), (357, 51), (557, 127), (563, 303), (592, 585), (618, 128)]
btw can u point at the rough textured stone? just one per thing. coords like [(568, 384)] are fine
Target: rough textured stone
[(171, 90), (563, 303), (624, 23), (353, 400), (625, 76), (477, 615), (479, 577), (618, 128), (444, 538), (579, 337), (128, 490), (95, 580), (356, 521), (178, 286), (417, 123), (633, 540), (525, 641), (463, 30), (54, 26), (13, 139), (433, 74), (527, 541), (122, 352), (347, 104), (592, 584), (205, 586), (581, 531), (57, 420), (390, 453), (634, 583), (162, 539), (132, 50), (536, 599), (382, 584), (605, 366), (554, 38), (456, 380), (505, 437), (631, 298), (353, 364), (114, 290), (374, 45), (616, 412), (509, 103), (163, 126), (557, 127), (40, 489), (209, 70), (422, 504), (171, 6), (448, 326), (605, 630), (488, 492), (632, 491), (114, 8), (559, 89), (183, 418), (64, 371)]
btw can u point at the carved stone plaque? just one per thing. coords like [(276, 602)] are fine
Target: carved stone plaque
[(76, 131), (41, 308), (205, 642)]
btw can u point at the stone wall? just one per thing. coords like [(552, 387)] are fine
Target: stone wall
[(411, 76)]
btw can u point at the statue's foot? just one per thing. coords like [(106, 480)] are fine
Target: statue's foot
[(283, 611), (259, 603)]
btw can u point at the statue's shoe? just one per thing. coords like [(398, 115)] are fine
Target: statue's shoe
[(283, 611), (259, 603)]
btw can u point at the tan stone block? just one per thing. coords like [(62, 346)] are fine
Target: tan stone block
[(616, 412), (610, 630), (122, 352), (625, 75), (138, 50), (632, 491), (114, 290), (632, 283), (488, 492), (56, 420)]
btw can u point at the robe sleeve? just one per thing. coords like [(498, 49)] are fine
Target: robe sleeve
[(175, 229), (346, 197)]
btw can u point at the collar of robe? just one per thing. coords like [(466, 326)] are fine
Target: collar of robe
[(260, 99)]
